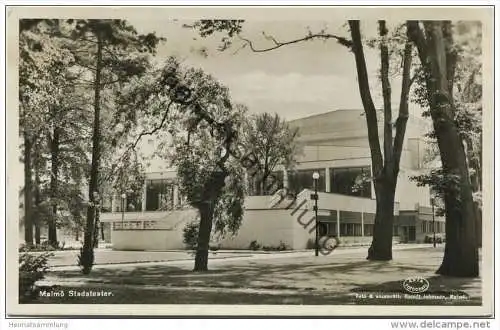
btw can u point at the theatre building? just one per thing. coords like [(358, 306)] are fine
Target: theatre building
[(335, 145)]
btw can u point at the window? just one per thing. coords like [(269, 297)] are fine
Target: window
[(106, 203), (302, 179), (150, 224), (352, 181), (425, 226), (273, 183), (369, 230), (127, 225), (395, 231), (159, 195), (350, 229)]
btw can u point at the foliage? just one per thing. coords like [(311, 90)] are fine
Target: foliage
[(230, 28), (190, 235), (45, 246), (311, 244), (32, 268), (254, 246), (273, 142), (280, 247), (468, 111)]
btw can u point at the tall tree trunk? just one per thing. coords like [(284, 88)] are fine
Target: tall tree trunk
[(87, 254), (206, 220), (54, 154), (28, 191), (381, 247), (461, 252), (38, 200), (473, 161), (385, 168), (96, 229)]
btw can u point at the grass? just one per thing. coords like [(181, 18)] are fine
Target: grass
[(336, 280)]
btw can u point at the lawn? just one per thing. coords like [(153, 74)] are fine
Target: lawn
[(340, 279)]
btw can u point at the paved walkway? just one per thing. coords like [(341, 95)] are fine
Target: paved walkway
[(106, 258)]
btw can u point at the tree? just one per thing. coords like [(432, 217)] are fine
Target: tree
[(272, 142), (194, 111), (113, 53), (39, 91), (60, 116), (385, 166), (212, 182), (438, 56)]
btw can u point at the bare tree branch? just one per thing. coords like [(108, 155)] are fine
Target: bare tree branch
[(403, 106), (133, 145), (386, 91), (277, 44), (366, 98)]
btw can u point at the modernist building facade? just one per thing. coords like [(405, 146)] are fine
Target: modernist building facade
[(335, 145)]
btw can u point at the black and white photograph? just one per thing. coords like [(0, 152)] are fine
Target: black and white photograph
[(249, 161)]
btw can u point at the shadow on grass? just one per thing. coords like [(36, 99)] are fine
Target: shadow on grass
[(442, 290), (332, 281)]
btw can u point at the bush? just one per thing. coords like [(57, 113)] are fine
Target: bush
[(281, 247), (32, 268), (214, 248), (254, 246), (42, 247), (190, 235), (430, 239), (311, 244)]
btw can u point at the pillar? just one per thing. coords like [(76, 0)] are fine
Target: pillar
[(362, 224), (338, 223), (327, 180), (144, 195)]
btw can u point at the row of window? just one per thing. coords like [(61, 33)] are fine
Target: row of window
[(160, 194), (325, 228), (135, 225), (349, 229), (352, 181), (428, 226)]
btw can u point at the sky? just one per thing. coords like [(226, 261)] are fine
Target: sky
[(294, 81)]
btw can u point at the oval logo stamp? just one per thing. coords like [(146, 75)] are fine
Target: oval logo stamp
[(416, 285)]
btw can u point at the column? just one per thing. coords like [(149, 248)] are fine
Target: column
[(338, 223), (362, 224), (144, 195), (327, 180), (176, 196)]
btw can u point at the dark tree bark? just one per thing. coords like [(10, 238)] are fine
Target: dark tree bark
[(474, 163), (435, 53), (206, 208), (38, 200), (87, 255), (28, 190), (385, 167), (206, 220), (54, 141)]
